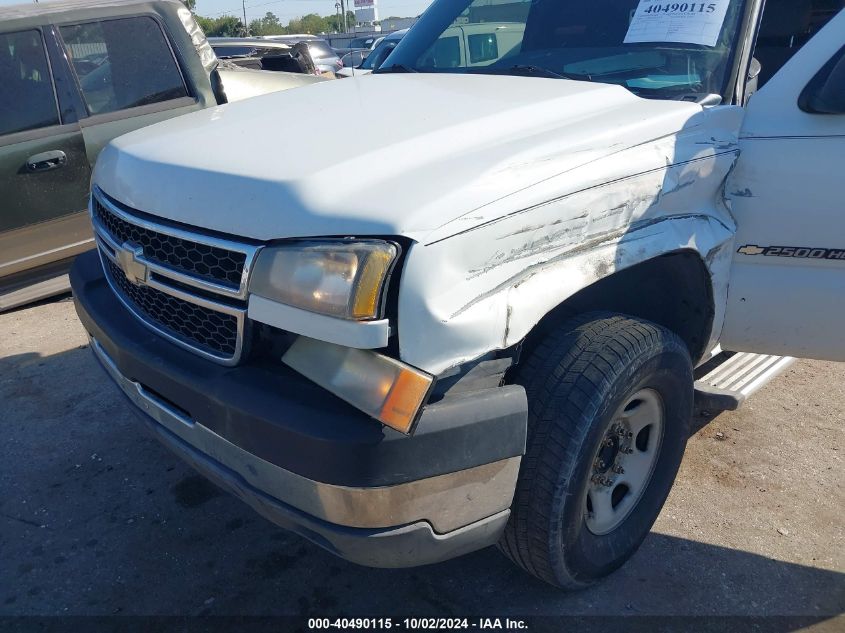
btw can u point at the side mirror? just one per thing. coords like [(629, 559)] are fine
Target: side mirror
[(755, 69), (825, 94), (752, 82)]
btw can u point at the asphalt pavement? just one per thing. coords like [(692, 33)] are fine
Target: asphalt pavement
[(97, 518)]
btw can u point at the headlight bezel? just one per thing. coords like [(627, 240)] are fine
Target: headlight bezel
[(261, 282)]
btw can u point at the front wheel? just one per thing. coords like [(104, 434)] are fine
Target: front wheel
[(609, 405)]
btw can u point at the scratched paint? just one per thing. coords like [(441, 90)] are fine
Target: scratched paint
[(483, 284)]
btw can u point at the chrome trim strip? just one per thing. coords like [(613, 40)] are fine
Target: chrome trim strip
[(448, 502), (217, 358), (250, 252)]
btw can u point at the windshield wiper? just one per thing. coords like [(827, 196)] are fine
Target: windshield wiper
[(529, 70), (396, 68)]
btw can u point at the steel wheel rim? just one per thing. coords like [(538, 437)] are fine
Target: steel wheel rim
[(624, 461)]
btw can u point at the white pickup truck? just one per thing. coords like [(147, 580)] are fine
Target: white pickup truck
[(498, 335)]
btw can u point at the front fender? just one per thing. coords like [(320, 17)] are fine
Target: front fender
[(484, 289)]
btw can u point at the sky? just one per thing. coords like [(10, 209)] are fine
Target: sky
[(287, 9)]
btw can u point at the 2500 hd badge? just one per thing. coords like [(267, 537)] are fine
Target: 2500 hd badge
[(793, 251)]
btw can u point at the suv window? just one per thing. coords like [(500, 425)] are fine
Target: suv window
[(123, 64), (27, 99)]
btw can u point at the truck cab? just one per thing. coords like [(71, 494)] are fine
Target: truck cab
[(499, 336)]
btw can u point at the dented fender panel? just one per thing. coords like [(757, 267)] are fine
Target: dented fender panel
[(485, 286)]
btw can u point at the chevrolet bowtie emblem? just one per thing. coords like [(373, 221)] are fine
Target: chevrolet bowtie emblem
[(127, 258), (751, 250)]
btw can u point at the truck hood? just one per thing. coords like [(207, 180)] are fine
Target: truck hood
[(393, 154)]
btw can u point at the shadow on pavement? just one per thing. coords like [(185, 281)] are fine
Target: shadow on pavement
[(97, 518)]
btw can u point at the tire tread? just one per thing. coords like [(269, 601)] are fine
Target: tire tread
[(564, 377)]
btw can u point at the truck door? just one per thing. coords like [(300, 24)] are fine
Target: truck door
[(787, 193)]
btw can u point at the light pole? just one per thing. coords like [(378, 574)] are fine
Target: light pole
[(246, 27), (343, 8)]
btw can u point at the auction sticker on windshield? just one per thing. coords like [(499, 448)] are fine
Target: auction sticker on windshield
[(681, 22)]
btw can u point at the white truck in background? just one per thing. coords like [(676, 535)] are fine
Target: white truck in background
[(502, 344)]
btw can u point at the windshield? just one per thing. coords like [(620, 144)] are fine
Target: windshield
[(376, 58), (652, 47)]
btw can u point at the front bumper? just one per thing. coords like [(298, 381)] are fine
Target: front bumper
[(308, 461)]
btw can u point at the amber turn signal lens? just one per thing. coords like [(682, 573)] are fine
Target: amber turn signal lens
[(404, 400), (384, 388)]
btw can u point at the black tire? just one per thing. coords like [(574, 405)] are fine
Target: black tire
[(577, 378)]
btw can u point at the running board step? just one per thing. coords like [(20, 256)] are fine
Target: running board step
[(727, 386), (34, 292)]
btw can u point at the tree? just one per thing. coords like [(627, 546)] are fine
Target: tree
[(224, 26), (231, 26), (334, 23), (268, 25), (311, 23)]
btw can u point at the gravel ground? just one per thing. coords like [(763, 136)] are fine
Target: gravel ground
[(96, 518)]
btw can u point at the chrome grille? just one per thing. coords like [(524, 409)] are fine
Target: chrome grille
[(219, 265), (211, 330), (188, 287)]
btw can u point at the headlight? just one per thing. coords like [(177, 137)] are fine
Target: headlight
[(338, 278)]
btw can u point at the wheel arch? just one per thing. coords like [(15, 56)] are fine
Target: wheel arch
[(674, 289)]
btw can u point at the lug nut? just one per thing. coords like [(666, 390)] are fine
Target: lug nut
[(618, 469), (601, 480)]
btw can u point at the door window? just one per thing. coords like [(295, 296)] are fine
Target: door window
[(122, 64), (483, 47), (27, 99)]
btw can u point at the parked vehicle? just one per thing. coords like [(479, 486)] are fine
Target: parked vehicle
[(366, 43), (262, 54), (497, 336), (358, 50), (375, 59), (470, 45), (324, 56), (248, 52), (75, 75)]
